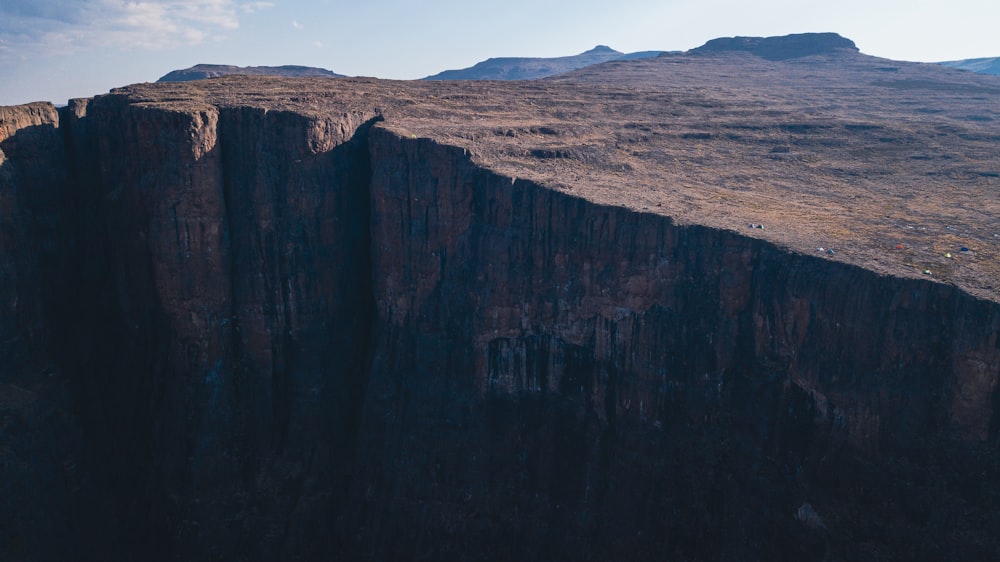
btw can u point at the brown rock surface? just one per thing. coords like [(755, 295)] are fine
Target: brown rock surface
[(528, 320)]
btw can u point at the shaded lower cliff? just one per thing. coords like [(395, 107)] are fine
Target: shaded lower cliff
[(560, 380), (46, 486), (227, 305), (233, 333)]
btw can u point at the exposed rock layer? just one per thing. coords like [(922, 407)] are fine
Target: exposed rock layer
[(276, 328)]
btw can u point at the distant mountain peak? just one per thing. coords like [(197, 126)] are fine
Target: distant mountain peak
[(781, 48), (530, 68), (201, 71), (986, 65)]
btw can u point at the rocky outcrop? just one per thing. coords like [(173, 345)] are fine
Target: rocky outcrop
[(241, 332), (781, 48), (202, 71)]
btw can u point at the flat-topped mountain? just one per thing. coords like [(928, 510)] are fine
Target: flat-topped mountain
[(528, 68), (781, 48), (695, 307), (202, 71), (987, 65)]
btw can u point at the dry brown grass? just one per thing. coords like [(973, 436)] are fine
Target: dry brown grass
[(847, 152)]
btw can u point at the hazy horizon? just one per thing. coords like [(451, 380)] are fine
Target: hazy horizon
[(54, 50)]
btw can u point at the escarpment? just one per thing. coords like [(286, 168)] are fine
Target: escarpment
[(646, 387), (227, 310), (265, 319)]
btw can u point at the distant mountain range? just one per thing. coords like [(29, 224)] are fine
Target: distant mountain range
[(201, 71), (987, 65), (529, 68)]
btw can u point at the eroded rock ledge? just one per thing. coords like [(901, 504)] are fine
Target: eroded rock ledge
[(244, 333)]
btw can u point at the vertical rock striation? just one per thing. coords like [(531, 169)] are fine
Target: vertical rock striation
[(46, 486), (557, 379), (247, 334), (228, 303)]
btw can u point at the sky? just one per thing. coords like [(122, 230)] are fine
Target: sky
[(54, 50)]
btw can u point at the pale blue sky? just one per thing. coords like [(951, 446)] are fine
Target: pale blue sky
[(58, 49)]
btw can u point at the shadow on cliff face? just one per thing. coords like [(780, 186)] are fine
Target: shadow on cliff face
[(46, 483), (225, 311), (555, 379)]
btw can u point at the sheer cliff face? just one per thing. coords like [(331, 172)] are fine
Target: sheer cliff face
[(228, 310), (46, 481), (588, 381), (235, 333), (33, 172)]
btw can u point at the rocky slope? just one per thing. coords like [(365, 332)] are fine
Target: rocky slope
[(263, 318)]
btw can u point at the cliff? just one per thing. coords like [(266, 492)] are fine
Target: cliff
[(306, 319), (648, 388), (230, 268), (46, 483)]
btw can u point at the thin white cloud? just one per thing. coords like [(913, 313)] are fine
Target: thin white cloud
[(254, 7), (54, 26), (296, 24)]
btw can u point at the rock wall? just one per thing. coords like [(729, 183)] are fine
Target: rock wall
[(260, 335), (45, 481), (560, 380), (225, 305)]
